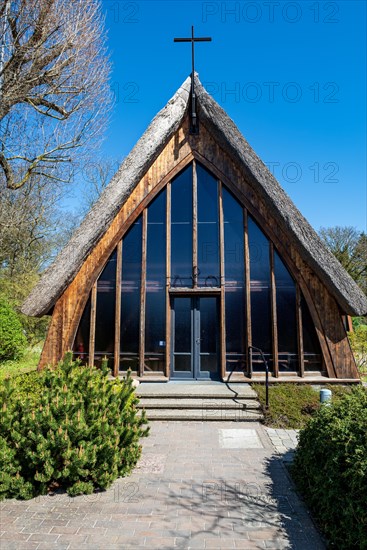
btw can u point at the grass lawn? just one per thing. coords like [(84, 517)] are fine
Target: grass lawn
[(292, 405), (28, 363)]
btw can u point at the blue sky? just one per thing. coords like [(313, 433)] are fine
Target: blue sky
[(292, 76)]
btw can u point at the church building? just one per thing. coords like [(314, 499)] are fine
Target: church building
[(194, 261)]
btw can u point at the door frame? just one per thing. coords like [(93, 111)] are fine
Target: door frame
[(195, 373)]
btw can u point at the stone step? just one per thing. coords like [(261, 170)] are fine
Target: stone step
[(194, 391), (197, 403), (208, 415)]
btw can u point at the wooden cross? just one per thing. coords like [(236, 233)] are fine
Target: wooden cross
[(194, 126)]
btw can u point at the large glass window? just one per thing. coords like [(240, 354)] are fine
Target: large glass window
[(155, 308), (286, 316), (208, 229), (311, 345), (181, 229), (130, 297), (194, 234), (260, 293), (105, 313), (81, 343), (234, 282)]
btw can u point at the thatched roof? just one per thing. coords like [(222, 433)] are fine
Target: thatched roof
[(59, 275)]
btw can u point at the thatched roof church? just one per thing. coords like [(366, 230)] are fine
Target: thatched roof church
[(192, 260)]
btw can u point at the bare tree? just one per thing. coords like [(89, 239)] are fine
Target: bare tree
[(96, 175), (54, 85)]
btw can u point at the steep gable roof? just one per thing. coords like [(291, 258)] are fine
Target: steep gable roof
[(57, 277)]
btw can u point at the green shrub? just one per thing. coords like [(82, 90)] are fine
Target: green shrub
[(28, 386), (12, 339), (290, 405), (79, 433), (330, 469), (358, 342)]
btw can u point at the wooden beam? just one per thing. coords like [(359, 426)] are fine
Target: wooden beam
[(222, 286), (92, 331), (168, 280), (247, 293), (301, 356), (194, 225), (116, 364), (143, 280), (274, 319)]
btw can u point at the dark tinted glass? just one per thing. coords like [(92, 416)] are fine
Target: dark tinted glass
[(208, 325), (208, 335), (81, 343), (260, 292), (105, 311), (182, 360), (182, 314), (181, 229), (208, 228), (234, 282), (130, 297), (286, 316), (311, 345), (155, 308)]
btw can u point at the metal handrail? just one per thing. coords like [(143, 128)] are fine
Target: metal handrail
[(266, 372)]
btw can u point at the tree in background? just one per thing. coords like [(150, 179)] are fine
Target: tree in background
[(32, 229), (54, 86), (350, 247)]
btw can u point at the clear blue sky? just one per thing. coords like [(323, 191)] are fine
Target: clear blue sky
[(292, 76)]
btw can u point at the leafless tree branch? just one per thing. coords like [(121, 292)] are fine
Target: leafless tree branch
[(54, 84)]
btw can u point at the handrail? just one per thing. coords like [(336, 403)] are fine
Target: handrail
[(266, 372)]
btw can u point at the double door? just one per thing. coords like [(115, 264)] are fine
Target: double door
[(195, 342)]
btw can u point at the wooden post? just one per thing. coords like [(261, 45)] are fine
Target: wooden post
[(116, 364), (143, 281), (222, 285), (301, 357), (168, 280), (247, 293), (195, 225), (274, 321), (92, 333)]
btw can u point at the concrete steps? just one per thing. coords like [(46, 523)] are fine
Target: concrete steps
[(199, 401)]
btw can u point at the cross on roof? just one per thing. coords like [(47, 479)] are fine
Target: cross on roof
[(194, 127)]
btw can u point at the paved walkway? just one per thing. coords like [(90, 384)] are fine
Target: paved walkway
[(198, 485)]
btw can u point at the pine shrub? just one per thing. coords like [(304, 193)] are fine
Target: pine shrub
[(81, 435), (12, 339), (330, 469)]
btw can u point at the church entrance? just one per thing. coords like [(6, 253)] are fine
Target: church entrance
[(195, 350)]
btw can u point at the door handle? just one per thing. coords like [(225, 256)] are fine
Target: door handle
[(198, 340)]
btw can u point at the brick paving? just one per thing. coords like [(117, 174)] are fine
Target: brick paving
[(193, 488), (284, 441)]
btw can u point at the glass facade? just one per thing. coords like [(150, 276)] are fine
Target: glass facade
[(201, 297), (234, 283), (155, 301), (259, 252), (105, 313), (286, 316), (130, 297)]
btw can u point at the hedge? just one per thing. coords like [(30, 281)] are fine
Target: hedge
[(330, 469)]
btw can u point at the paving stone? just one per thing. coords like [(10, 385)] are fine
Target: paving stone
[(205, 495)]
